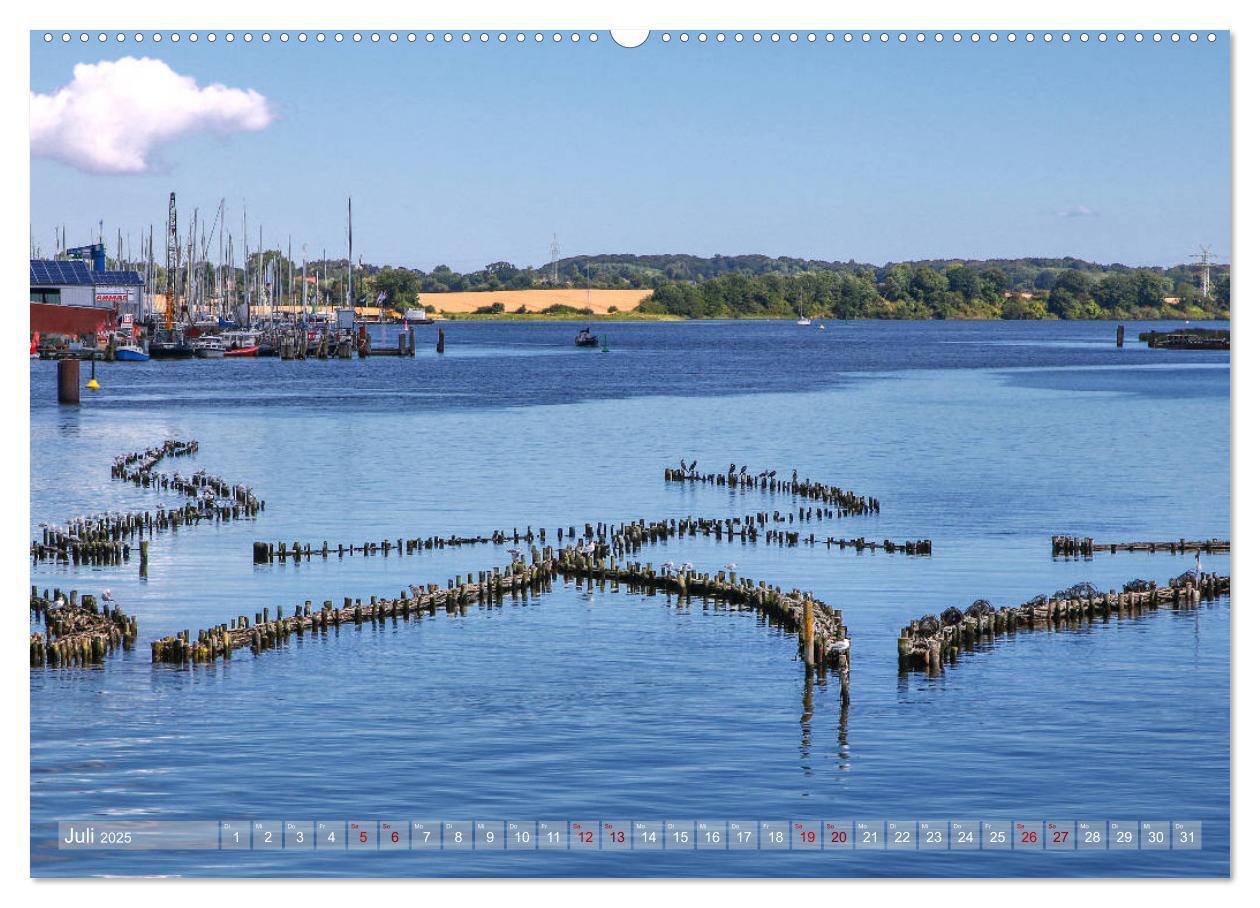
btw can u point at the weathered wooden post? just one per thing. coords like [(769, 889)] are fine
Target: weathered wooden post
[(807, 632), (68, 381), (441, 343), (1119, 335)]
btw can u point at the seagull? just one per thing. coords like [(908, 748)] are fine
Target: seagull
[(732, 469), (107, 596), (692, 468), (772, 473), (683, 464), (743, 470), (840, 646), (730, 566), (668, 567)]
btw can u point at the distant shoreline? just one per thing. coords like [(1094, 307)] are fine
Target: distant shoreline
[(628, 317)]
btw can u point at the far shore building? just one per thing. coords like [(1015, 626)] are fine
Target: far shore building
[(74, 298)]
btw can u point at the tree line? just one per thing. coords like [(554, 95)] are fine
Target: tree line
[(759, 286), (903, 291)]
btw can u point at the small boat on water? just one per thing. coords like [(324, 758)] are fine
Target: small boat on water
[(417, 316), (586, 339), (240, 343), (209, 346), (131, 353)]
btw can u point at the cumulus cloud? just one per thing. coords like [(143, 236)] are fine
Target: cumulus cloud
[(1078, 211), (113, 115)]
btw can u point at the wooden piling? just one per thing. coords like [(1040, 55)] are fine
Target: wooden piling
[(68, 381)]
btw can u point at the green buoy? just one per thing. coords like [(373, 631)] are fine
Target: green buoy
[(605, 348)]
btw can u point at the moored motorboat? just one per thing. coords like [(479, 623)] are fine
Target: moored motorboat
[(131, 353), (586, 339), (240, 343), (209, 346)]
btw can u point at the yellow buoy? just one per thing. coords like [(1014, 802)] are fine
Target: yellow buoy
[(93, 385)]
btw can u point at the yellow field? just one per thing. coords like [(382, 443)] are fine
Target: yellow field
[(534, 300)]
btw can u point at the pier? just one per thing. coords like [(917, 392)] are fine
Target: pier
[(934, 641)]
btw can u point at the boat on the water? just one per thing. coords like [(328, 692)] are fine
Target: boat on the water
[(240, 343), (170, 345), (804, 320), (131, 353), (210, 346), (417, 316), (1187, 339), (586, 339)]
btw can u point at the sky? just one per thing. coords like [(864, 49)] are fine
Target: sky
[(465, 154)]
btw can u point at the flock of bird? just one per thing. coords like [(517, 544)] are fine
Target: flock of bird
[(690, 470)]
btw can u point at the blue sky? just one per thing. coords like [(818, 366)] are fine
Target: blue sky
[(465, 154)]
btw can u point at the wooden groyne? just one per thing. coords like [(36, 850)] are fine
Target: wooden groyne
[(767, 481), (617, 538), (936, 640), (823, 637), (77, 632), (106, 539), (1086, 547)]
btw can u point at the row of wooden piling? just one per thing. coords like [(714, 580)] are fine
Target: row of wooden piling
[(822, 635), (933, 641), (105, 539), (768, 481), (77, 632), (1086, 547), (620, 538)]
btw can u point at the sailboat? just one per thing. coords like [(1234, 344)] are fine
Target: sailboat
[(804, 319)]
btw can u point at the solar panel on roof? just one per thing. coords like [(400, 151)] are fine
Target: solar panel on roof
[(52, 272), (117, 277)]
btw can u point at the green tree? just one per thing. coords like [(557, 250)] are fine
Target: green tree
[(400, 286)]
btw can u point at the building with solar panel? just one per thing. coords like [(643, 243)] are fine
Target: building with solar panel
[(75, 297)]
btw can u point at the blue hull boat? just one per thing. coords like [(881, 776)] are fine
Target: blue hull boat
[(132, 354)]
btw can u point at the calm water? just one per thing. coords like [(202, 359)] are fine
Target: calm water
[(987, 438)]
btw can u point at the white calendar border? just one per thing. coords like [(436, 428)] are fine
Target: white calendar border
[(1092, 14)]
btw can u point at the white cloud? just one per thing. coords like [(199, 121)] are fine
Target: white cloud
[(1078, 211), (113, 115)]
